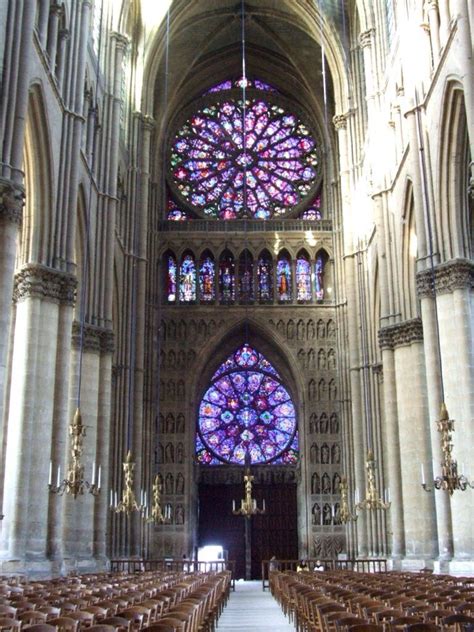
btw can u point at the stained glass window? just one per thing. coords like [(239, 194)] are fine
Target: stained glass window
[(246, 277), (240, 83), (303, 278), (284, 278), (319, 277), (264, 276), (246, 410), (226, 278), (187, 279), (214, 153), (207, 275), (313, 212), (175, 214), (171, 279)]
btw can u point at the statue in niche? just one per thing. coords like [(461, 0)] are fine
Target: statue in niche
[(169, 426), (182, 330), (290, 330), (180, 390), (335, 454), (310, 330), (171, 359), (161, 423), (323, 423), (311, 359), (171, 330), (326, 484), (302, 358), (315, 484), (181, 360), (160, 453), (171, 390), (316, 511), (325, 453), (191, 357), (314, 453), (334, 424), (331, 359), (179, 515), (180, 424), (162, 391), (169, 453), (180, 484), (313, 423), (202, 329), (180, 453), (321, 359), (300, 330), (321, 389), (281, 327), (169, 483), (336, 481), (321, 329), (337, 516), (332, 390), (327, 514), (331, 329), (311, 389)]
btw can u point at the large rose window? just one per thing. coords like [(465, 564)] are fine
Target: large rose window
[(222, 168), (246, 411)]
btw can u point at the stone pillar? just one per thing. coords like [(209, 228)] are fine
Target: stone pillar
[(38, 293), (433, 20), (444, 19), (43, 18), (55, 15), (63, 37), (435, 398)]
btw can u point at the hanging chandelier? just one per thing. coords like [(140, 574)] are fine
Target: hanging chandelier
[(128, 503), (372, 500), (156, 515), (344, 514), (248, 505)]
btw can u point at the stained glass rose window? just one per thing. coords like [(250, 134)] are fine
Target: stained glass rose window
[(246, 410), (226, 169)]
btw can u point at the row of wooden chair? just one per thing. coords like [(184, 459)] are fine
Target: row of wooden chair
[(339, 600)]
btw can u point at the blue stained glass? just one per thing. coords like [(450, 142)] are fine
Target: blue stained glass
[(303, 279), (255, 415), (313, 212), (284, 279), (207, 280), (187, 280), (171, 280), (319, 277), (226, 279)]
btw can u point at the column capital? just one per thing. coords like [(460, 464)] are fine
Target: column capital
[(56, 9), (95, 339), (401, 334), (38, 281), (431, 5), (340, 121), (148, 123), (365, 38), (121, 40), (457, 274), (12, 200)]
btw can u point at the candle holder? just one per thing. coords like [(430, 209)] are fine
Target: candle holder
[(372, 500), (248, 505), (128, 504), (157, 516)]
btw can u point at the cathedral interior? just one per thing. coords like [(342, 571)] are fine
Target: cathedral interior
[(276, 195)]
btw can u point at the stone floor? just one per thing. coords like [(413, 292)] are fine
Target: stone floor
[(249, 608)]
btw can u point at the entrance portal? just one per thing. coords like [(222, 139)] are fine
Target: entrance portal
[(272, 533)]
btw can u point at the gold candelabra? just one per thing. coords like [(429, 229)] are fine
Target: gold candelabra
[(157, 516), (128, 504), (345, 515), (372, 500), (74, 483), (248, 505), (449, 480)]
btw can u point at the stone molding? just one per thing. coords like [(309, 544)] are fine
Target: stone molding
[(457, 274), (340, 121), (95, 339), (401, 334), (12, 200), (365, 38), (37, 281)]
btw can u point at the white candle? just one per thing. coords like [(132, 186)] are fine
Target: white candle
[(146, 502), (93, 473), (116, 498), (422, 475), (111, 498), (50, 478), (59, 476), (264, 504), (99, 477), (356, 496), (233, 505)]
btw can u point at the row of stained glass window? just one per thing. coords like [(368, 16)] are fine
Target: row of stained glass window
[(205, 281)]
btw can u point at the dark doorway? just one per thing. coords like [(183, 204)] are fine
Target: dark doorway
[(273, 533)]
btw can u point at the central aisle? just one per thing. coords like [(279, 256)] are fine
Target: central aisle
[(249, 608)]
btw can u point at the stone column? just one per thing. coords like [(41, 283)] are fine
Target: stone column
[(63, 37), (43, 19), (56, 11), (433, 18), (39, 291)]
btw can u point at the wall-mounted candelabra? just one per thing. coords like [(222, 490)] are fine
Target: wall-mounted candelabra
[(157, 516), (248, 505), (128, 503), (74, 483), (450, 480), (372, 500), (344, 514)]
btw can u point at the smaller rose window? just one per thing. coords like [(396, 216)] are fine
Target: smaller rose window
[(246, 411)]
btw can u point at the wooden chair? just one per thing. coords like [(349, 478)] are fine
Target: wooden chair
[(51, 612), (31, 617), (9, 623), (101, 627), (366, 627), (64, 624), (135, 615), (162, 626), (119, 623), (422, 627), (40, 627), (456, 622), (398, 623), (7, 611), (435, 616), (85, 619), (98, 612), (170, 623)]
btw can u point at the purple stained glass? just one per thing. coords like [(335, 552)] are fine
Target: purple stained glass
[(229, 168), (207, 279), (171, 279), (241, 83), (303, 279), (264, 276), (246, 411), (313, 212), (226, 278), (175, 214), (187, 280), (284, 279)]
